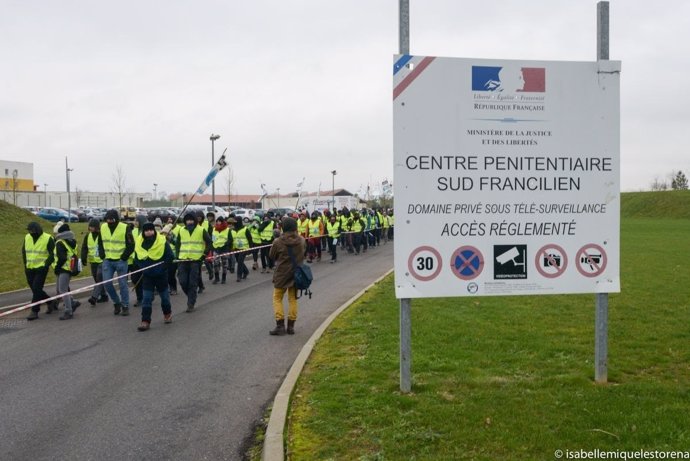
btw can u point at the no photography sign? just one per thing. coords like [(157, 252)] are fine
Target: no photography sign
[(507, 176)]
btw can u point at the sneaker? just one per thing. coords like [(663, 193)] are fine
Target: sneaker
[(167, 318), (125, 311), (144, 326), (92, 301), (33, 315), (117, 309), (190, 308), (66, 316)]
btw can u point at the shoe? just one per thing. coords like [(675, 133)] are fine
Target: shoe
[(75, 304), (137, 303), (103, 299), (125, 311), (144, 326), (318, 259), (215, 282), (51, 306), (117, 309), (255, 266), (210, 275), (279, 330), (173, 292), (32, 316), (239, 279), (201, 290), (332, 261), (291, 327), (66, 316), (244, 276), (92, 301), (222, 280), (167, 318), (309, 261), (263, 270), (190, 308)]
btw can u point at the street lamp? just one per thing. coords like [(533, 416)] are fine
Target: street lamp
[(69, 196), (45, 194), (213, 139), (333, 186), (154, 190)]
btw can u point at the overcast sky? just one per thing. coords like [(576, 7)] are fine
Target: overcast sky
[(295, 88)]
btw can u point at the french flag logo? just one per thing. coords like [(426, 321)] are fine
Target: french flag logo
[(509, 79)]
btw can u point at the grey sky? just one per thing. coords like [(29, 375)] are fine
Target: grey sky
[(295, 88)]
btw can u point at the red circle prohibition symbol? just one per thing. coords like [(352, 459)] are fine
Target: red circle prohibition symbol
[(586, 257), (467, 262), (545, 255), (410, 263)]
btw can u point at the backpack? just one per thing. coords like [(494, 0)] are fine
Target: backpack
[(303, 276)]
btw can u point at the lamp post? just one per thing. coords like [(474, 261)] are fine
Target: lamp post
[(154, 190), (333, 186), (213, 138), (69, 196), (45, 194)]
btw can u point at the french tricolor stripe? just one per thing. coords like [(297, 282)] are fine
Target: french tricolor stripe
[(418, 69)]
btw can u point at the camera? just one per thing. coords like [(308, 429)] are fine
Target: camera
[(552, 260), (591, 259)]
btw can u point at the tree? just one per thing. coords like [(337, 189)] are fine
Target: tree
[(679, 181), (658, 184), (229, 181), (119, 184)]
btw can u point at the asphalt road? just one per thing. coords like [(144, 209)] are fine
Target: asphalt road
[(94, 388)]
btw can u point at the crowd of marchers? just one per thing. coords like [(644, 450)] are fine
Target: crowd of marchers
[(157, 258)]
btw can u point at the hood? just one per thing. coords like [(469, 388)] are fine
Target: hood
[(141, 220), (291, 238), (66, 235)]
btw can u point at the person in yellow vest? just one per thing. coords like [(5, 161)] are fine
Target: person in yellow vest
[(135, 277), (357, 226), (266, 231), (192, 245), (65, 248), (256, 241), (38, 255), (241, 242), (332, 235), (201, 221), (391, 224), (222, 243), (171, 230), (303, 225), (115, 243), (283, 277), (209, 226), (152, 253), (91, 256), (385, 226), (314, 231)]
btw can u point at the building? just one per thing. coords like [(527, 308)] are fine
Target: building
[(16, 176)]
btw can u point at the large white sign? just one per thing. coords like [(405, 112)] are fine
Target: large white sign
[(507, 177)]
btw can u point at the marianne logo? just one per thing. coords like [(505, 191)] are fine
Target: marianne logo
[(509, 79)]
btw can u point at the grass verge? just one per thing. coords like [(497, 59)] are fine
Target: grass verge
[(507, 377)]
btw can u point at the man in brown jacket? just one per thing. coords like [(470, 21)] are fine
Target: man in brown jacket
[(283, 276)]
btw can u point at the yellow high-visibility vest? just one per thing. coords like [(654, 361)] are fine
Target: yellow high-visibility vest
[(192, 245), (92, 246), (36, 252), (221, 238), (154, 253), (113, 243)]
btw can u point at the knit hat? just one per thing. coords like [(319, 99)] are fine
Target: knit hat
[(189, 216), (63, 228), (93, 222), (56, 229), (34, 227), (289, 224), (148, 226), (111, 214), (157, 222)]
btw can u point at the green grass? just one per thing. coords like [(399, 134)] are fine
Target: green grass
[(13, 221), (508, 377)]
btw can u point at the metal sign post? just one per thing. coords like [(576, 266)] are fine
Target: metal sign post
[(405, 303), (602, 299)]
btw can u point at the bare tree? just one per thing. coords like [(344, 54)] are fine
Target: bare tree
[(119, 183), (658, 184)]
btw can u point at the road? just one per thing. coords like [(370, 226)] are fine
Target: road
[(94, 388)]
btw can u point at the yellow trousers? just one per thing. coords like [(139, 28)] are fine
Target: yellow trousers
[(278, 303)]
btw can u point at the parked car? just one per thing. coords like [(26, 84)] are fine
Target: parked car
[(245, 213), (56, 214), (282, 211), (33, 209), (208, 208), (260, 213), (127, 213), (95, 213), (162, 213)]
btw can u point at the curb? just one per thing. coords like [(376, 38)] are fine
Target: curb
[(273, 449)]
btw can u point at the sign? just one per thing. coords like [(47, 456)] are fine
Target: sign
[(424, 263), (511, 169)]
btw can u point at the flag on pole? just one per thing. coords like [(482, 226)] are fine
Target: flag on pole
[(220, 164)]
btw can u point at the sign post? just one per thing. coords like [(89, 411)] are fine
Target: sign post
[(507, 180)]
